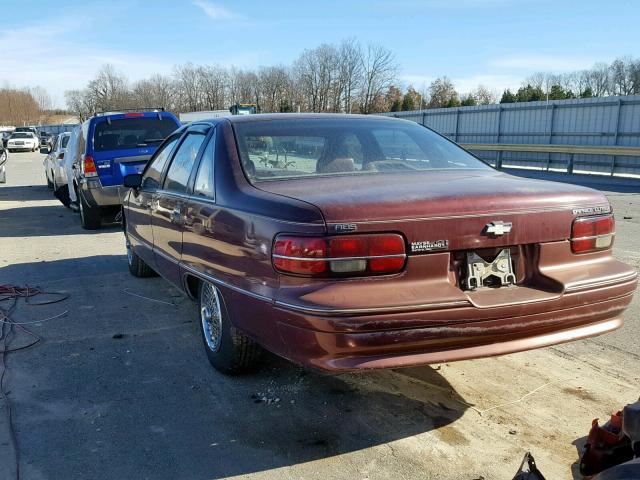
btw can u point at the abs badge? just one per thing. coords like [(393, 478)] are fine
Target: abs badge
[(427, 246)]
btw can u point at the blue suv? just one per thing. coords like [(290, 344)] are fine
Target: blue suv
[(110, 146)]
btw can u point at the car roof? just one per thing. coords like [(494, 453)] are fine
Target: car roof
[(262, 117)]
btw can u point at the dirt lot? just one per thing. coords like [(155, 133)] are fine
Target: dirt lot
[(147, 405)]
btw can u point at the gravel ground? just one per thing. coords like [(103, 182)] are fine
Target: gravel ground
[(120, 386)]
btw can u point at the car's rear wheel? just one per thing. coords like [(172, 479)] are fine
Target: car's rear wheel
[(229, 351), (137, 266), (90, 217)]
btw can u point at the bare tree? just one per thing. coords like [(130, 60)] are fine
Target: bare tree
[(109, 90), (442, 93), (156, 91), (42, 98), (350, 72), (276, 87), (80, 103), (212, 82), (189, 95), (316, 74), (18, 107), (598, 80), (485, 96), (379, 69)]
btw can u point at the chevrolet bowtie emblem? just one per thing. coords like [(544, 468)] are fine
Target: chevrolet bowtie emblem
[(498, 228)]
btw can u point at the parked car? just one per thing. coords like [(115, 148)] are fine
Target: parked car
[(33, 130), (25, 141), (46, 139), (111, 146), (53, 169), (358, 242)]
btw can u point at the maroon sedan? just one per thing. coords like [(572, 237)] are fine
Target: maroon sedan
[(352, 242)]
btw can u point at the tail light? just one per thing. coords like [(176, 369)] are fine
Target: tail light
[(339, 256), (89, 167), (590, 234)]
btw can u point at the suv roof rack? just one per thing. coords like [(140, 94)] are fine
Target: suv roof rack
[(124, 110)]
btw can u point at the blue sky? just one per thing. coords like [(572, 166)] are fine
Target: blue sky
[(60, 45)]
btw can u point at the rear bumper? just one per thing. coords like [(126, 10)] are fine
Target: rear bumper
[(341, 352), (346, 342), (98, 196), (24, 148)]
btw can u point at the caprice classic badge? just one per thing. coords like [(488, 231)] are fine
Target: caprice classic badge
[(427, 246)]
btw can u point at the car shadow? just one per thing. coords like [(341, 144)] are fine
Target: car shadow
[(25, 193), (579, 443), (147, 400), (45, 220)]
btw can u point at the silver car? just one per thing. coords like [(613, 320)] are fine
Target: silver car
[(53, 162)]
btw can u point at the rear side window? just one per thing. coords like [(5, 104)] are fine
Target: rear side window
[(131, 133), (180, 168), (203, 186), (65, 140), (154, 172)]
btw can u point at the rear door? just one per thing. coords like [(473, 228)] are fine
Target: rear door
[(122, 144), (169, 208)]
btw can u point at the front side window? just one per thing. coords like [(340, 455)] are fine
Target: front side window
[(182, 164), (291, 148), (154, 172)]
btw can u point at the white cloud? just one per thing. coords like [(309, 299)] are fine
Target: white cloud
[(543, 63), (215, 11), (49, 56)]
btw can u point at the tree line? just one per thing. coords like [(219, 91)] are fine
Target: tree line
[(347, 77), (620, 77), (24, 106)]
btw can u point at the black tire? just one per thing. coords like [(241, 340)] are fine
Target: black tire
[(90, 217), (137, 266), (231, 352)]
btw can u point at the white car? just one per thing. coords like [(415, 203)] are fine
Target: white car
[(23, 141), (53, 162)]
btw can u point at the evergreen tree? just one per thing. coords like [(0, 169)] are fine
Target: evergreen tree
[(508, 97), (469, 101), (408, 102)]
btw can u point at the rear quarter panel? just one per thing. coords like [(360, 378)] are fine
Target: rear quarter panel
[(230, 238)]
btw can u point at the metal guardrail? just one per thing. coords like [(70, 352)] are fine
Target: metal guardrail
[(571, 150)]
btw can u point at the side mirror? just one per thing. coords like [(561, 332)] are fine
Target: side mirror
[(45, 150), (133, 180)]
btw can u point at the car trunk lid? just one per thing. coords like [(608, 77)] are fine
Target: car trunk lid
[(446, 210)]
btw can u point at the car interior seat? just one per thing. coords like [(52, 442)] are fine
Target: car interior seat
[(130, 140), (109, 141)]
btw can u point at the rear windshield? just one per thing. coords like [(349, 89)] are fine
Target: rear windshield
[(22, 135), (288, 148), (131, 133)]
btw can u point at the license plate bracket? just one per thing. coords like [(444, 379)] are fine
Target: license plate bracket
[(497, 273)]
